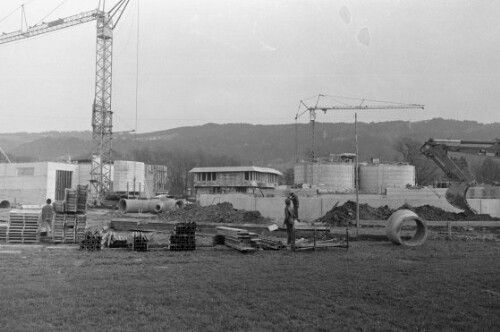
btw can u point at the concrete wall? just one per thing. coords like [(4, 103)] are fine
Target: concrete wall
[(313, 207)]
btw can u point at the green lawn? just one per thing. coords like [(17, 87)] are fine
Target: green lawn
[(443, 285)]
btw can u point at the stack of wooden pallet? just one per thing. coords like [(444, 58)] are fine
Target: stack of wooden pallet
[(236, 238), (81, 224), (3, 231), (58, 227), (70, 228), (23, 226), (71, 200), (81, 198)]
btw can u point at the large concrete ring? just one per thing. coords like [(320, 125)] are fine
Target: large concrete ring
[(395, 223)]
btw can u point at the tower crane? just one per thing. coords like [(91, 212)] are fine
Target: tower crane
[(102, 124), (334, 103)]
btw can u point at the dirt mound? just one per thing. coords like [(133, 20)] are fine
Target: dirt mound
[(339, 215), (219, 213)]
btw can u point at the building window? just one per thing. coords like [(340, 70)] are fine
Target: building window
[(26, 171)]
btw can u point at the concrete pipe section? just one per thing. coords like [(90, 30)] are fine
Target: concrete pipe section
[(137, 205), (405, 218), (168, 205), (5, 204)]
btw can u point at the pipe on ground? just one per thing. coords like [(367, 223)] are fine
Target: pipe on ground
[(5, 204), (168, 205), (395, 224), (137, 205)]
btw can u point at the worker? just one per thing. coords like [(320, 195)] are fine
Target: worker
[(295, 200), (289, 223), (47, 215)]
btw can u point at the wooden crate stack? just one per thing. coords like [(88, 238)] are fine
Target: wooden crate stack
[(3, 231), (71, 220), (81, 198), (70, 228), (81, 224), (23, 226), (58, 227), (71, 200)]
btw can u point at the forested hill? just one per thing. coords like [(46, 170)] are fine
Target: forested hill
[(266, 145)]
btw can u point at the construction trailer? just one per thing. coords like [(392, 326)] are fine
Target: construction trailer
[(32, 183)]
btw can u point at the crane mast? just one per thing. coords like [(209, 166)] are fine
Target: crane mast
[(102, 115)]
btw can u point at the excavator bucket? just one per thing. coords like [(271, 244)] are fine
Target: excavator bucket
[(456, 195)]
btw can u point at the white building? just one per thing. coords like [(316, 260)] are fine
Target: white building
[(33, 183)]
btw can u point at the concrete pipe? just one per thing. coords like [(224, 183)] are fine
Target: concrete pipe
[(395, 224), (5, 204), (137, 205), (168, 205)]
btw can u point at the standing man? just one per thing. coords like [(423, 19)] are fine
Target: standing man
[(289, 221), (295, 200), (47, 214)]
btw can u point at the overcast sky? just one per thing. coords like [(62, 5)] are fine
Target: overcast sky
[(253, 61)]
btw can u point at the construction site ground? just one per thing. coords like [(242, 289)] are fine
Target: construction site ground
[(441, 285), (448, 283)]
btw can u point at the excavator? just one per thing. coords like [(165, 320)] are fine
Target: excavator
[(438, 149)]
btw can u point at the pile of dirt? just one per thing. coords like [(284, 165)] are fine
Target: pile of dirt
[(339, 215), (219, 213)]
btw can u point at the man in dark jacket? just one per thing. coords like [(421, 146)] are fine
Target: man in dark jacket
[(289, 221), (295, 200), (47, 215)]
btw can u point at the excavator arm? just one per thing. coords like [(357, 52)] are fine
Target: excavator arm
[(438, 150)]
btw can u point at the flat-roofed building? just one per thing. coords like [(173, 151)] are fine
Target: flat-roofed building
[(32, 183), (233, 179)]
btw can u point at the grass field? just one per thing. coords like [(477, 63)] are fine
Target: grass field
[(442, 285)]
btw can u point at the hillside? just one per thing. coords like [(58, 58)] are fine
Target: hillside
[(266, 145)]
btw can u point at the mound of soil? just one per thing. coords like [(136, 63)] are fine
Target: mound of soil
[(219, 213), (339, 215)]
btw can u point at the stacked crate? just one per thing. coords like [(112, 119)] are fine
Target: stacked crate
[(81, 223), (58, 227), (23, 226), (71, 219), (81, 199), (184, 237), (69, 229), (140, 242), (91, 242), (71, 200), (3, 231)]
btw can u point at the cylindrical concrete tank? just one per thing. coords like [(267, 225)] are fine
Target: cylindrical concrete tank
[(375, 178), (336, 177), (128, 176)]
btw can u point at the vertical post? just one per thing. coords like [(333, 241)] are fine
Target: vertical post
[(296, 141), (356, 172)]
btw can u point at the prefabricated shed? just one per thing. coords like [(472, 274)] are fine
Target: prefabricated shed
[(33, 183)]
